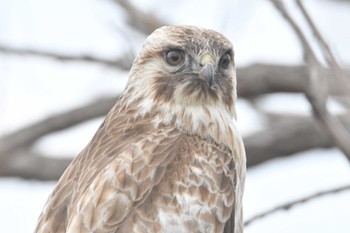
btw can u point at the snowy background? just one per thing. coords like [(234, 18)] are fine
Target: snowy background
[(32, 88)]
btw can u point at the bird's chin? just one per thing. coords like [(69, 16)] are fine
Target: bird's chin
[(198, 93), (210, 89)]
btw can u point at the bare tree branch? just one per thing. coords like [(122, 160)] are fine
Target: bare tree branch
[(284, 138), (327, 52), (287, 135), (316, 88), (28, 135), (121, 63), (260, 79), (291, 204), (144, 22), (27, 164)]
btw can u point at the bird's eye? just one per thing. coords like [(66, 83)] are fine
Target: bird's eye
[(225, 61), (174, 57)]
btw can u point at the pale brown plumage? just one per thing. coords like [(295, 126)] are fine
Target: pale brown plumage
[(168, 157)]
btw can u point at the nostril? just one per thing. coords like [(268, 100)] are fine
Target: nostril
[(201, 64)]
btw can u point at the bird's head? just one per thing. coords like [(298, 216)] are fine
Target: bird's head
[(185, 66)]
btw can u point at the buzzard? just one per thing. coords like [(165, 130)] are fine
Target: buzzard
[(168, 157)]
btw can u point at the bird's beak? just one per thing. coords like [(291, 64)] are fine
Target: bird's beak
[(207, 68)]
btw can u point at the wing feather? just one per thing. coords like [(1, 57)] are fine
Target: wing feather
[(113, 175)]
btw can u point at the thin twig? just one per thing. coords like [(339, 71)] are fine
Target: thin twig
[(327, 52), (304, 43), (291, 204), (317, 88), (120, 63)]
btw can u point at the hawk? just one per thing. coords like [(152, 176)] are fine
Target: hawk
[(168, 157)]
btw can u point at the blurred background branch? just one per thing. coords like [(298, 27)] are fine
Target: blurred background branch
[(338, 72), (144, 22), (316, 89), (121, 63), (289, 205)]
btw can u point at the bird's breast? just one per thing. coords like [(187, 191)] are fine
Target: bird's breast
[(196, 193)]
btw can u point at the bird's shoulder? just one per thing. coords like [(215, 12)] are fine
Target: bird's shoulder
[(118, 168)]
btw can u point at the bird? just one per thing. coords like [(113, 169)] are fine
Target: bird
[(168, 157)]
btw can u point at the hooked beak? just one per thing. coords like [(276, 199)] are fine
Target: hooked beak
[(207, 69)]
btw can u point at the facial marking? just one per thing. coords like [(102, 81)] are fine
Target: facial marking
[(178, 55)]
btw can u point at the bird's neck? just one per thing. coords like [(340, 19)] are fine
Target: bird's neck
[(212, 122)]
